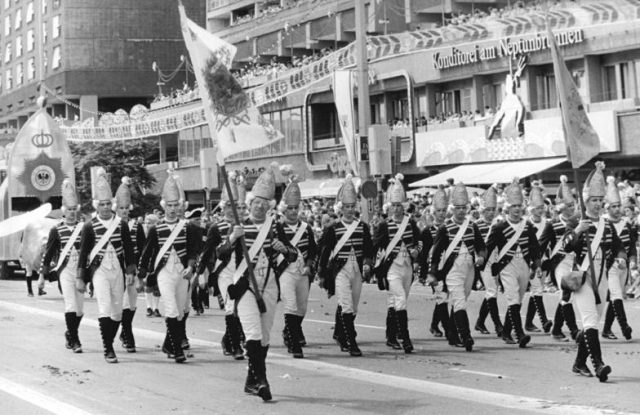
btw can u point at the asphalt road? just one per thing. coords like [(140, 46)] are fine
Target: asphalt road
[(39, 376)]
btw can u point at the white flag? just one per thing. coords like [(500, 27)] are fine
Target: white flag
[(343, 97), (235, 124)]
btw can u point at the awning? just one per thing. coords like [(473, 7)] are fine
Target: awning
[(489, 173), (323, 188)]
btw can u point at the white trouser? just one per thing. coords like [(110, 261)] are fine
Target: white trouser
[(585, 301), (108, 286), (294, 291), (460, 281), (256, 325), (537, 287), (174, 290), (400, 276), (514, 278), (225, 278), (130, 296), (73, 299), (563, 269), (489, 281), (349, 286), (616, 278)]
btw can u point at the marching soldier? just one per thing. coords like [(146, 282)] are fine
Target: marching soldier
[(558, 262), (458, 248), (264, 243), (518, 257), (224, 266), (398, 244), (536, 217), (608, 253), (490, 302), (106, 259), (617, 277), (168, 260), (347, 254), (123, 206), (296, 276), (60, 262)]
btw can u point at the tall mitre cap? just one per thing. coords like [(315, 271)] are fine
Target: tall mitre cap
[(396, 190), (69, 197), (490, 198), (234, 188), (564, 195), (595, 185), (613, 194), (292, 195), (440, 199), (347, 193), (123, 193), (459, 195), (171, 190), (513, 193), (102, 187), (265, 186), (536, 199)]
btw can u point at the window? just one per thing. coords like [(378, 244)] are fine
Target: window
[(45, 61), (18, 24), (19, 74), (44, 33), (30, 12), (57, 29), (56, 4), (625, 80), (44, 6), (7, 53), (18, 46), (31, 40), (31, 68), (7, 25), (7, 4), (8, 79), (56, 60), (609, 84), (547, 92)]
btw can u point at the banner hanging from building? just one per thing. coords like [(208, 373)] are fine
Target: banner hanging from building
[(343, 97)]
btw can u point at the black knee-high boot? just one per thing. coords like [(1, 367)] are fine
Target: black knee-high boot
[(558, 320), (516, 323), (173, 336), (482, 316), (492, 304), (77, 346), (507, 328), (580, 364), (303, 340), (609, 318), (402, 320), (570, 319), (450, 327), (531, 313), (436, 320), (184, 342), (542, 313), (462, 325), (338, 331), (618, 307), (29, 286), (256, 383), (293, 343), (106, 326), (227, 348), (593, 345), (70, 320), (392, 329), (349, 330), (126, 333)]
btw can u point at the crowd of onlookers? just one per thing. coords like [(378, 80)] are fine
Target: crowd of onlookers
[(176, 97), (458, 119)]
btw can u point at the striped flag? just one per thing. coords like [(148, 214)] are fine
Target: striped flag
[(235, 124), (580, 137)]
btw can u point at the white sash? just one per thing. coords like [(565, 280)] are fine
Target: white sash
[(594, 244), (103, 241), (397, 236), (69, 245), (456, 240), (558, 245), (255, 248), (295, 240), (345, 237), (167, 244), (513, 240)]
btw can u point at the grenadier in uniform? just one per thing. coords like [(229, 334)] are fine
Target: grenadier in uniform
[(518, 257), (536, 217), (609, 253), (557, 261), (264, 243), (439, 207), (346, 258), (60, 262), (398, 244), (106, 259), (458, 249), (489, 304), (296, 276), (168, 261), (223, 266), (617, 277), (151, 294), (123, 207)]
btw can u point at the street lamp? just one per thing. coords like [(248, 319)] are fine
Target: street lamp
[(155, 68), (185, 60)]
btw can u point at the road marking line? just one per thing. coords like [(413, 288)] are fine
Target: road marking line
[(495, 399), (333, 322), (38, 399), (473, 372)]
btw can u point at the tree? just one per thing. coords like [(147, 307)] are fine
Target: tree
[(119, 159)]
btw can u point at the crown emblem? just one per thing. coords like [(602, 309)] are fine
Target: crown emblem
[(42, 140)]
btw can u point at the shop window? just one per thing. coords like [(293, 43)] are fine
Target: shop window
[(610, 92)]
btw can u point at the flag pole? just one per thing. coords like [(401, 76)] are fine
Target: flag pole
[(583, 211), (245, 252)]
